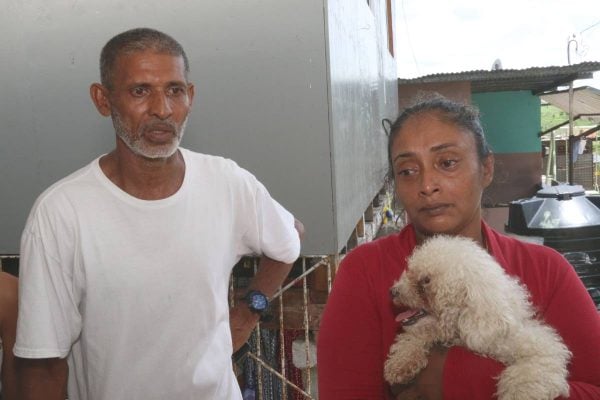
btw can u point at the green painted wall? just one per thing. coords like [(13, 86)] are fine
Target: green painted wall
[(511, 120)]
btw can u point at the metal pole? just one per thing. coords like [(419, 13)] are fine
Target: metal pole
[(568, 144)]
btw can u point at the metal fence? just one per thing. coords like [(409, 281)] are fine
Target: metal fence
[(281, 363)]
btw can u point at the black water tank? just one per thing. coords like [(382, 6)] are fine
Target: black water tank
[(568, 221)]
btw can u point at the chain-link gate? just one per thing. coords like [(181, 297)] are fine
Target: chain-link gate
[(281, 363)]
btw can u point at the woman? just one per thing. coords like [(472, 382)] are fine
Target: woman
[(441, 165), (8, 325)]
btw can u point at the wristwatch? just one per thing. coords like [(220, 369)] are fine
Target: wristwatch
[(258, 303)]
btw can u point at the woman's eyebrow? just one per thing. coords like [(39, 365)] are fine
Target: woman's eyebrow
[(434, 149), (404, 155), (442, 146)]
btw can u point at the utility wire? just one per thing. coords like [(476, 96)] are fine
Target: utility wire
[(591, 26), (584, 50)]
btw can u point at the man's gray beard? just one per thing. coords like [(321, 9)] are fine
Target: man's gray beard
[(136, 144)]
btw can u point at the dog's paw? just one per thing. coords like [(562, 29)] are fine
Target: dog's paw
[(402, 372), (408, 356)]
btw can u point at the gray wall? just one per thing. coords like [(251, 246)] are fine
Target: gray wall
[(263, 102), (262, 89), (48, 124), (363, 92)]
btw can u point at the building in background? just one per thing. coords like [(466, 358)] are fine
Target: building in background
[(510, 106)]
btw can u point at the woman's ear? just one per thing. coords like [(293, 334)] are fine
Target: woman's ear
[(99, 95), (488, 170)]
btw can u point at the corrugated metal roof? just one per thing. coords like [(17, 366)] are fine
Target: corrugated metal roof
[(586, 101), (536, 79)]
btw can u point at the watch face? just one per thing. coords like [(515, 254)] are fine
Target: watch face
[(258, 302)]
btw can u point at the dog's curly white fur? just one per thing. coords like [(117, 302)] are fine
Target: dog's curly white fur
[(472, 302)]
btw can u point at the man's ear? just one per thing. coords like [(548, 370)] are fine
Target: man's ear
[(191, 92), (99, 95)]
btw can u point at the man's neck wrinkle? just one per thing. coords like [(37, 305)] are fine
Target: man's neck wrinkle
[(145, 179)]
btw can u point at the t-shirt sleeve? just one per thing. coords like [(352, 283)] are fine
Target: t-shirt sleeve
[(269, 228), (49, 321), (349, 350)]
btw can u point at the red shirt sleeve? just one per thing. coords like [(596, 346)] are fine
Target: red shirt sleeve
[(349, 345), (562, 302), (571, 311)]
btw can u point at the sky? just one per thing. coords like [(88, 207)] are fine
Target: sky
[(440, 36)]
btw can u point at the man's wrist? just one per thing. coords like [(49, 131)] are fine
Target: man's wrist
[(246, 312), (257, 303)]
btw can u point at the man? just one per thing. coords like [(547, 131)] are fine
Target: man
[(125, 263), (8, 326)]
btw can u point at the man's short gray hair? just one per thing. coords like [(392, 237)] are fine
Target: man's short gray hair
[(136, 40)]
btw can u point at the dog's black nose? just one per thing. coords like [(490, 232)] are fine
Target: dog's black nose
[(392, 293)]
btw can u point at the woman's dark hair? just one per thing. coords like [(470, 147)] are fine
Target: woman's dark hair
[(461, 115)]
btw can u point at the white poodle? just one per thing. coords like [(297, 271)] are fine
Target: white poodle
[(459, 295)]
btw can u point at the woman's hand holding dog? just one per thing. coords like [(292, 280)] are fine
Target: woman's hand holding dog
[(429, 382)]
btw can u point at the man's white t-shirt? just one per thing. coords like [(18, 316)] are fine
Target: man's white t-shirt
[(134, 292)]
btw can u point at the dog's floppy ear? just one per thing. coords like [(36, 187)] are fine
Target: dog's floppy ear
[(448, 324), (448, 299), (486, 315)]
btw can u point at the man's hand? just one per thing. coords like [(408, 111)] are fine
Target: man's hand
[(242, 322), (428, 384)]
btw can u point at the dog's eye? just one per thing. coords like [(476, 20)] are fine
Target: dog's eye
[(421, 285)]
